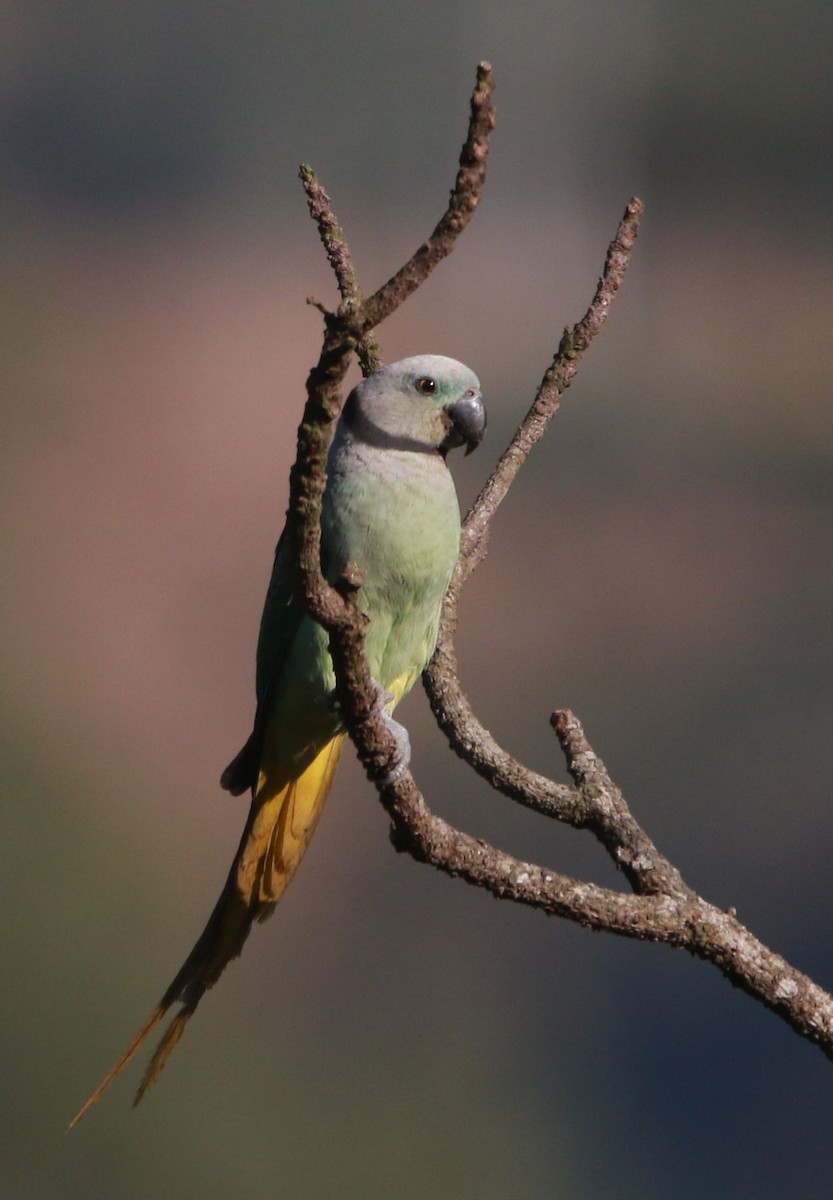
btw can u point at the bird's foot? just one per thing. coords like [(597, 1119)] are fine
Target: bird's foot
[(402, 758)]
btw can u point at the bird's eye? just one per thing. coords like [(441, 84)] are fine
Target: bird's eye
[(426, 385)]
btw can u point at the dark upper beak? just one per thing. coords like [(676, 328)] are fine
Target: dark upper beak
[(466, 422)]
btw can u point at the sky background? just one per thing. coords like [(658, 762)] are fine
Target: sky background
[(663, 566)]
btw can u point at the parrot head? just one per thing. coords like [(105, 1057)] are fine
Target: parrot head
[(428, 404)]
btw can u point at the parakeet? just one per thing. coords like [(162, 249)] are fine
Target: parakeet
[(390, 507)]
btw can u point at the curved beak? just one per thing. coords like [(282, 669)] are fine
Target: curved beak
[(466, 420)]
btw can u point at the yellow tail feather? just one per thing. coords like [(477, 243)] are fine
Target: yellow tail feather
[(281, 822)]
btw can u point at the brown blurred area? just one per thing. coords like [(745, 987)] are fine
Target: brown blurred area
[(663, 567)]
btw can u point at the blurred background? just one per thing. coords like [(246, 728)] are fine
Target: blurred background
[(663, 566)]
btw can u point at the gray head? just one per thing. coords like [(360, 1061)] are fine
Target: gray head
[(427, 404)]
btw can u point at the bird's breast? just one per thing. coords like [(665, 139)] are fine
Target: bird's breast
[(395, 516)]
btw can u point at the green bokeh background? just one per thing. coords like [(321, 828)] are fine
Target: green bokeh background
[(663, 567)]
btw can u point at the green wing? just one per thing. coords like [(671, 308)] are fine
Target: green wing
[(282, 615)]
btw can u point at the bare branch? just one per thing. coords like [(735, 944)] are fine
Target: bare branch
[(662, 907), (340, 259), (609, 818), (557, 379), (476, 745), (452, 710), (682, 921), (331, 233), (465, 197), (308, 476)]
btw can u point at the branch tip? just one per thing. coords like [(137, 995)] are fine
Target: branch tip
[(465, 196), (565, 723), (313, 303)]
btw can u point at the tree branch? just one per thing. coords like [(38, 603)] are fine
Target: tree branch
[(661, 906), (465, 196), (453, 712), (340, 259), (557, 378)]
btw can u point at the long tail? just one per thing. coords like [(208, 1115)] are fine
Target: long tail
[(281, 822)]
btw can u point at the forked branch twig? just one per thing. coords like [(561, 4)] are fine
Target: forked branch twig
[(660, 906)]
